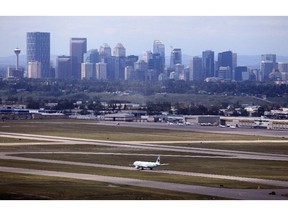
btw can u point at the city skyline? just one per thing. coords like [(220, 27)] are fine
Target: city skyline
[(192, 34)]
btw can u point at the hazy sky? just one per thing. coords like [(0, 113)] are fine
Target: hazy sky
[(240, 34)]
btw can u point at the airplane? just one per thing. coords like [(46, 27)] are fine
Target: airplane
[(144, 164)]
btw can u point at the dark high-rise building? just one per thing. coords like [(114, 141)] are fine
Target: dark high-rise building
[(38, 49), (208, 64), (176, 57), (131, 59), (239, 72), (195, 69), (140, 69), (157, 64), (78, 46), (225, 59), (63, 67), (119, 68)]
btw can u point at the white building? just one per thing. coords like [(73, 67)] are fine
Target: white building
[(128, 72), (34, 69), (101, 71), (283, 66), (86, 71), (119, 50), (147, 56), (179, 69)]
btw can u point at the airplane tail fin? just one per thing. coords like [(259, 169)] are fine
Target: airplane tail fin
[(158, 160)]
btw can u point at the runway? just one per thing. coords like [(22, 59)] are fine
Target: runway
[(243, 194), (246, 194), (7, 156)]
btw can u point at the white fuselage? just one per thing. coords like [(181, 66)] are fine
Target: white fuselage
[(145, 164)]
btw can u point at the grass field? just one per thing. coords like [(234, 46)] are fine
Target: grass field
[(32, 187), (84, 129), (14, 140), (264, 147)]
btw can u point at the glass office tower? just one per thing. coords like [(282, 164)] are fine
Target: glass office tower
[(38, 49), (208, 64), (78, 46)]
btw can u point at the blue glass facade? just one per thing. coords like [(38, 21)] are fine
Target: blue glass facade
[(38, 49), (176, 57), (208, 64), (225, 59)]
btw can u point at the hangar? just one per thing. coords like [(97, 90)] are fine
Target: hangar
[(119, 117)]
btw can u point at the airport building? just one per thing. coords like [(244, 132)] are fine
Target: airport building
[(254, 122), (119, 117), (204, 120)]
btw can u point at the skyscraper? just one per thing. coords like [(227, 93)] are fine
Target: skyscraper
[(208, 64), (34, 70), (101, 71), (38, 49), (283, 66), (87, 70), (159, 47), (239, 71), (268, 57), (104, 51), (119, 54), (225, 59), (92, 56), (196, 69), (63, 67), (119, 50), (78, 46), (266, 67), (176, 57)]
